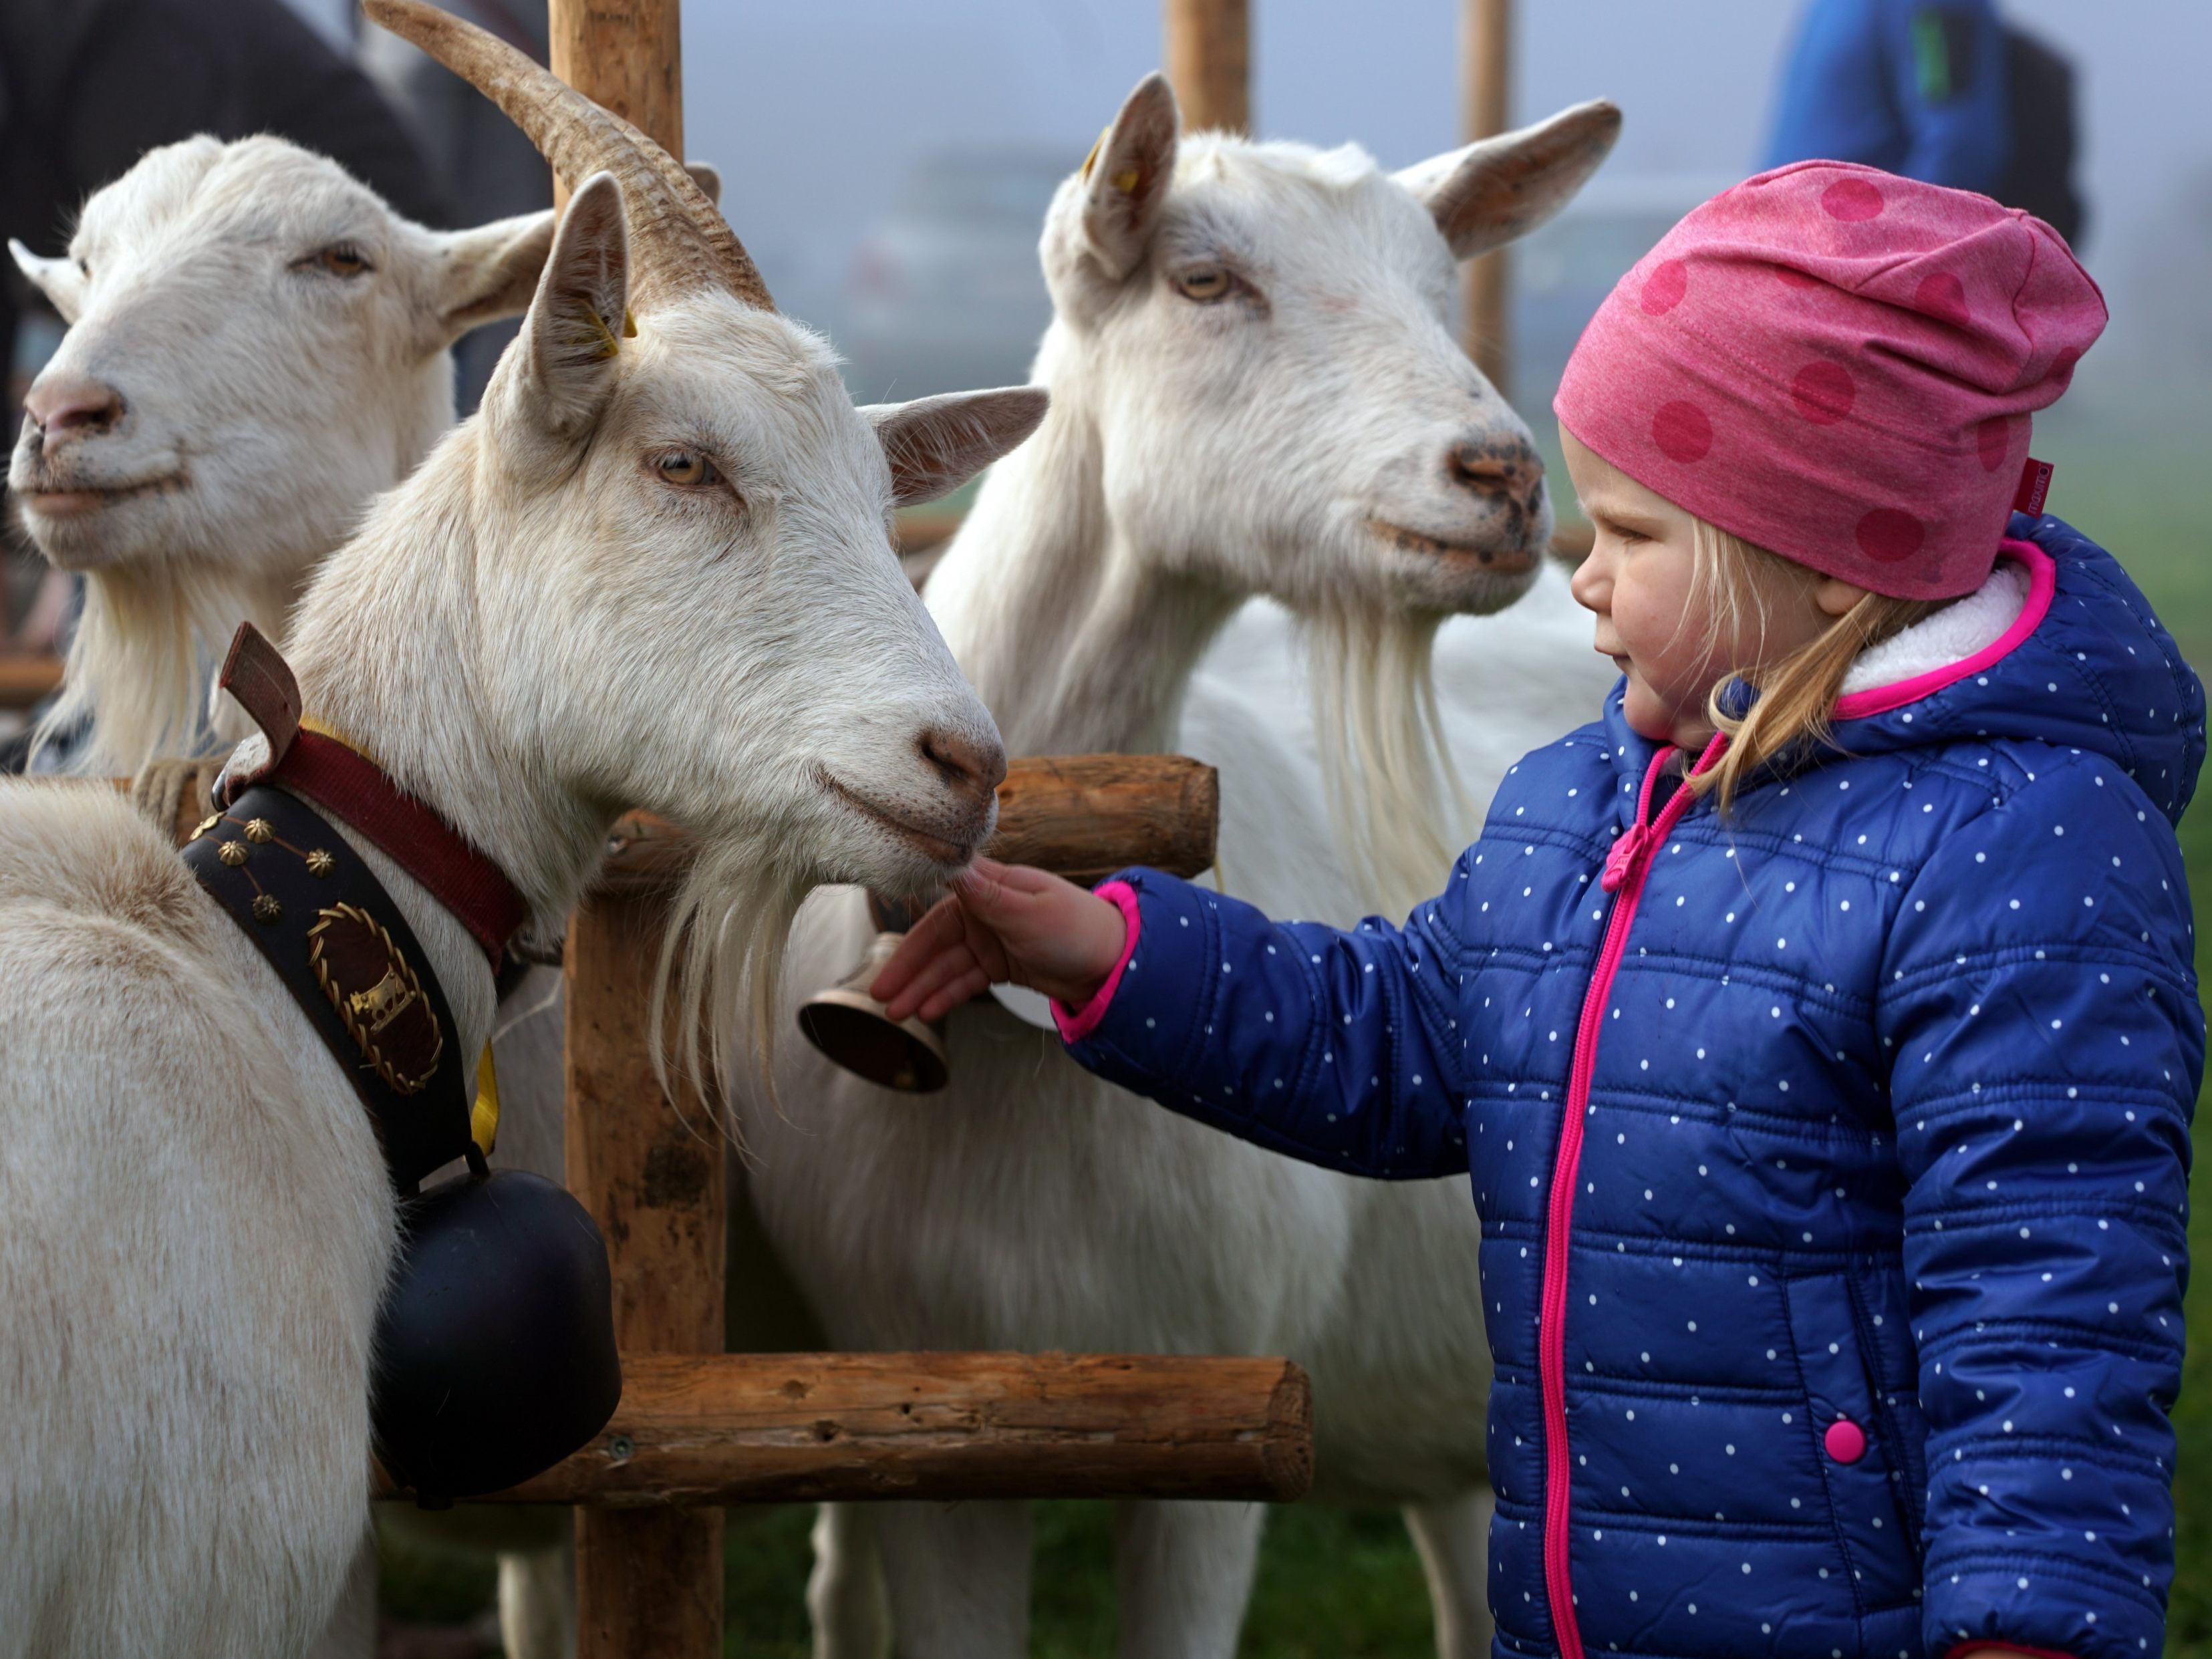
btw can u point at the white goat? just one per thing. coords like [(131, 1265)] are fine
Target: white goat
[(256, 345), (1255, 391), (651, 571), (231, 308)]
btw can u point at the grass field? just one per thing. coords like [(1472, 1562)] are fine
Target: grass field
[(1336, 1585)]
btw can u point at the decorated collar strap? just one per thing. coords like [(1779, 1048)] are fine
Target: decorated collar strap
[(331, 932), (312, 762)]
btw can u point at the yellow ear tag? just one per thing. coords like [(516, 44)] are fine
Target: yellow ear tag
[(1126, 182), (1091, 159), (483, 1117), (630, 325)]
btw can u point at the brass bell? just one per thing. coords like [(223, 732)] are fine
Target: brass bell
[(848, 1026)]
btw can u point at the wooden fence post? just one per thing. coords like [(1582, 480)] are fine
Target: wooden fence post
[(649, 1581), (650, 1171), (1209, 60), (1485, 97)]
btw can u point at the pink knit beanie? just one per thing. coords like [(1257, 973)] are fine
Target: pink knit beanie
[(1839, 365)]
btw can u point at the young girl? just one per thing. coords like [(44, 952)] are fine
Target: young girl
[(1819, 1027)]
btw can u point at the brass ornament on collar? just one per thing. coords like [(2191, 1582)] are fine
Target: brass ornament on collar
[(378, 997)]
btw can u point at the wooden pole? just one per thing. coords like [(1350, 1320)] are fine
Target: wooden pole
[(648, 1168), (944, 1427), (1209, 61), (626, 56), (1082, 816), (1486, 99)]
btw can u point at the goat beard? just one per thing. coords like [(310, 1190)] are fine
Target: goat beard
[(717, 990), (1395, 799), (141, 661)]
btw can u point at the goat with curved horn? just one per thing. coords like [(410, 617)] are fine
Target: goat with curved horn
[(681, 238)]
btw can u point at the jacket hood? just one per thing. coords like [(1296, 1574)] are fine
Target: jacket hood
[(2087, 665)]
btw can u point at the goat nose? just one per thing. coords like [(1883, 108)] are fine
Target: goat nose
[(969, 766), (73, 403), (1511, 470)]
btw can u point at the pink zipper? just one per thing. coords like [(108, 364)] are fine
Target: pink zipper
[(1626, 867)]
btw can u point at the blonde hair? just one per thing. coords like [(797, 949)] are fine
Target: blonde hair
[(1730, 582)]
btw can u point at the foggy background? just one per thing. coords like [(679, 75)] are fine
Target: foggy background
[(822, 114), (861, 138)]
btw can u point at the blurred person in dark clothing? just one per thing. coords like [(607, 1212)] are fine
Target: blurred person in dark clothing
[(1939, 90), (88, 86)]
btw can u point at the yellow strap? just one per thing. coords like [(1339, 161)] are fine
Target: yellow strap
[(324, 729), (483, 1117)]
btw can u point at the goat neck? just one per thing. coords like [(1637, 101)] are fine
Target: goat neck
[(390, 651), (1081, 637)]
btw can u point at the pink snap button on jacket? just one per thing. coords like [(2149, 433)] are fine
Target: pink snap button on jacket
[(1845, 1440)]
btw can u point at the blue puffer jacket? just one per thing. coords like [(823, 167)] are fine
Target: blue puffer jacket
[(1832, 1161)]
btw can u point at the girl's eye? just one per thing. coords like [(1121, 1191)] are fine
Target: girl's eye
[(687, 470), (339, 259), (1206, 284)]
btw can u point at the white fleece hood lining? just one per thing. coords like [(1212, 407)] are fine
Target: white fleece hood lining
[(1951, 636)]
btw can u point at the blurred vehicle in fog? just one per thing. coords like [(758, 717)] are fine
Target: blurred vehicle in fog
[(946, 291)]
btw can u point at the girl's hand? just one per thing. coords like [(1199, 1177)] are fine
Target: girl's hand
[(1003, 922)]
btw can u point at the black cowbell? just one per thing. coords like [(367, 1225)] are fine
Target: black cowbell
[(496, 1347)]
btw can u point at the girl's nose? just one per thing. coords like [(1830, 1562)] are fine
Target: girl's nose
[(1592, 582)]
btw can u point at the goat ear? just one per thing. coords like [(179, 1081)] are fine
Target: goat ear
[(937, 444), (579, 313), (1497, 189), (59, 280), (708, 178), (1105, 216), (489, 273)]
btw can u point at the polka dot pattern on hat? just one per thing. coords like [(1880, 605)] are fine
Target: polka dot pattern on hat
[(1839, 365)]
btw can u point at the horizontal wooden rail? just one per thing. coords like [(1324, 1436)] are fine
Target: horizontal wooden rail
[(25, 679), (1082, 816), (708, 1429)]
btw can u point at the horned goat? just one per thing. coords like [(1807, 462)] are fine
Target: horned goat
[(651, 571), (1254, 391)]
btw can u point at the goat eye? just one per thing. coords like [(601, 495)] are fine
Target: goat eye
[(1205, 283), (687, 470), (339, 259)]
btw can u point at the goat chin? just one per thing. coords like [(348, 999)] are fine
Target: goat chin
[(145, 646)]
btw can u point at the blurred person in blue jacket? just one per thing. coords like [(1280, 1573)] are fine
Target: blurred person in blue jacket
[(1939, 90)]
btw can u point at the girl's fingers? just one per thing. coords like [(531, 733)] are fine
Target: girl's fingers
[(927, 977), (942, 1001), (940, 929)]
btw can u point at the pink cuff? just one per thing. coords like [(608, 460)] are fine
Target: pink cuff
[(2005, 1647), (1076, 1025)]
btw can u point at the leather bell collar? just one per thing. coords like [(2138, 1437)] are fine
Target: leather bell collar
[(312, 762)]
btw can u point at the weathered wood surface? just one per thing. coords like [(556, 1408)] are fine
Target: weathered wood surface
[(787, 1428), (626, 56), (1080, 816), (647, 1582), (1209, 62), (650, 1170), (25, 679), (1485, 102)]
